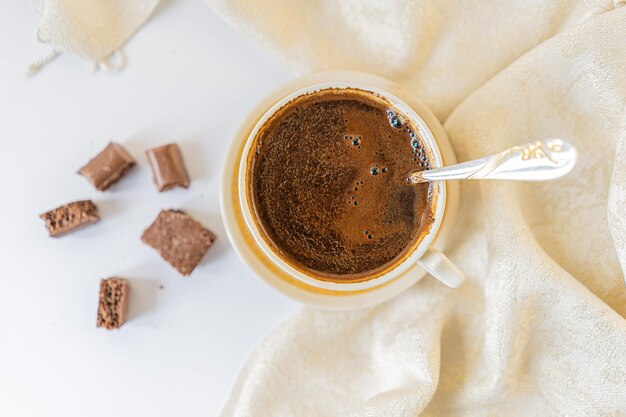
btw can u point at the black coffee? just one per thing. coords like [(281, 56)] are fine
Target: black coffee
[(327, 183)]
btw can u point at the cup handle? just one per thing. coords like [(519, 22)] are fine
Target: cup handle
[(439, 266)]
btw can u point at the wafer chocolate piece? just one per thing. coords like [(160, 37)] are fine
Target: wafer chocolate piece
[(113, 303), (168, 169), (179, 239), (107, 167), (70, 217)]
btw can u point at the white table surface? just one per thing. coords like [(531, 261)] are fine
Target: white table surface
[(191, 78)]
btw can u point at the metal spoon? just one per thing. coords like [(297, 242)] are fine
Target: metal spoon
[(535, 161)]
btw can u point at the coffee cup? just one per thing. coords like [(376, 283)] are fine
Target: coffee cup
[(249, 240)]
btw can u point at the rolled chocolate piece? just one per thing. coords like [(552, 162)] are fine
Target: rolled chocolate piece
[(168, 169), (70, 217), (107, 167)]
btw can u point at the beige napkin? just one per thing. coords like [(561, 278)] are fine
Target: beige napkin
[(539, 327), (92, 29)]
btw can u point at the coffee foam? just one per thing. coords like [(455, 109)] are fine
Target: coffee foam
[(327, 183)]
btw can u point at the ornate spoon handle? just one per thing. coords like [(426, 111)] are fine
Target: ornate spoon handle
[(535, 161)]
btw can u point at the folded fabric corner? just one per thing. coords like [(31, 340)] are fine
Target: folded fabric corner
[(92, 29)]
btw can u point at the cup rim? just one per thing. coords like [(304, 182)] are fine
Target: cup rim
[(439, 193)]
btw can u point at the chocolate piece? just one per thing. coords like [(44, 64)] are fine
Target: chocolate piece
[(70, 217), (113, 303), (168, 169), (179, 239), (107, 167)]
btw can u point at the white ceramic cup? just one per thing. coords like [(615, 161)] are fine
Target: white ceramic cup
[(430, 259)]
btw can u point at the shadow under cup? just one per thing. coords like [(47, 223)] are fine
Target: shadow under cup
[(325, 185)]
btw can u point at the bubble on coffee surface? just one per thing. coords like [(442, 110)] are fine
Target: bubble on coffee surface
[(394, 119), (353, 139)]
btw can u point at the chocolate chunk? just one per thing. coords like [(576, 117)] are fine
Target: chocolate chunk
[(113, 303), (179, 239), (107, 167), (168, 169), (70, 217)]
